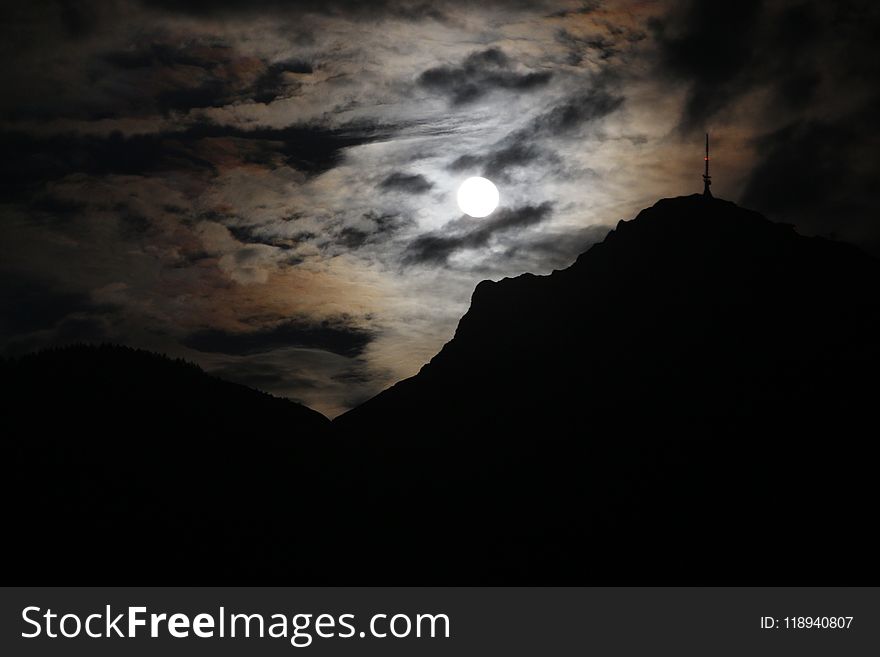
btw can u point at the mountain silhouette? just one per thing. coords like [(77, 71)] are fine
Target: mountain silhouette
[(127, 463), (694, 390), (696, 308), (690, 402), (99, 384)]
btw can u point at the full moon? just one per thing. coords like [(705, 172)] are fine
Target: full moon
[(477, 197)]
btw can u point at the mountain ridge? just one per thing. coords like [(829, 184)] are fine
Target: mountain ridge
[(702, 256), (116, 373)]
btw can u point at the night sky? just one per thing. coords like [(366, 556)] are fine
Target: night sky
[(268, 188)]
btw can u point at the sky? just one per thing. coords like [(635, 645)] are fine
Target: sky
[(268, 188)]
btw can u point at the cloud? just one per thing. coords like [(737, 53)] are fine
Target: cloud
[(37, 312), (585, 7), (582, 108), (30, 303), (819, 174), (499, 160), (708, 45), (352, 238), (274, 83), (410, 10), (521, 148), (554, 249), (337, 338), (370, 228), (181, 76), (479, 74), (412, 183), (436, 248), (31, 159), (723, 53), (333, 7), (322, 380), (262, 375)]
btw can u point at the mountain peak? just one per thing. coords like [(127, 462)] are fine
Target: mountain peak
[(697, 366), (637, 315)]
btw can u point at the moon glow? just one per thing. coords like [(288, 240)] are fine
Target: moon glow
[(477, 197)]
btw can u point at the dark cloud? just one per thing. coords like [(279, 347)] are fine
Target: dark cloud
[(220, 7), (355, 375), (30, 159), (194, 75), (161, 54), (372, 227), (585, 8), (274, 84), (505, 156), (78, 330), (140, 74), (820, 175), (412, 183), (79, 18), (312, 149), (37, 312), (56, 206), (338, 338), (352, 238), (191, 76), (722, 52), (479, 74), (386, 223), (580, 48), (374, 10), (31, 303), (149, 56), (796, 71), (708, 45), (435, 248), (520, 148), (556, 250), (133, 225), (212, 93), (465, 162), (596, 103), (259, 235), (262, 375)]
